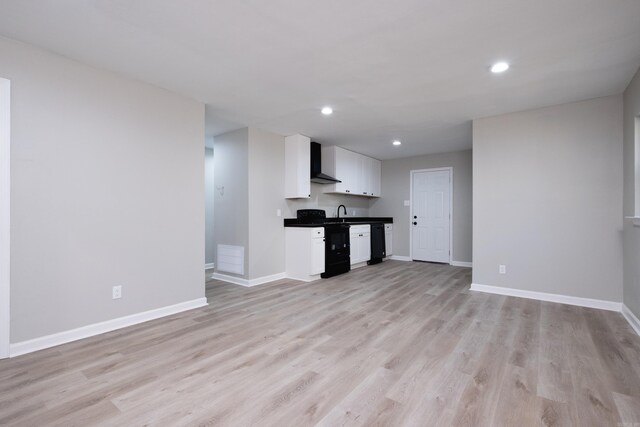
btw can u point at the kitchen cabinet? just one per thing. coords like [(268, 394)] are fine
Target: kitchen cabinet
[(376, 173), (360, 243), (388, 239), (370, 177), (360, 175), (317, 253), (363, 167), (337, 161), (304, 252), (297, 158)]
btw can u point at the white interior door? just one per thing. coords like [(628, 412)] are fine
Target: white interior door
[(431, 215), (5, 164)]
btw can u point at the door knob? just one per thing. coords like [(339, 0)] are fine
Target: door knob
[(415, 223)]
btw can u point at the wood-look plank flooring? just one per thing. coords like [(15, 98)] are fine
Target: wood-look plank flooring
[(396, 344)]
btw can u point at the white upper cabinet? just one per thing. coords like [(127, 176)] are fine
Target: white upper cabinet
[(297, 167), (364, 170), (376, 172), (360, 175)]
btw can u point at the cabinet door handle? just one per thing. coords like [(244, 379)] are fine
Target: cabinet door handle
[(364, 192), (415, 223)]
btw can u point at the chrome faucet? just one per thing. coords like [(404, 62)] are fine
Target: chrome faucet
[(345, 211)]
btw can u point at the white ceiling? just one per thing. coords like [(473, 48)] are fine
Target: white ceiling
[(416, 70)]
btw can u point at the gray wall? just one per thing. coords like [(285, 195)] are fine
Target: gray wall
[(396, 189), (547, 199), (107, 189), (231, 205), (266, 196), (209, 195), (631, 233)]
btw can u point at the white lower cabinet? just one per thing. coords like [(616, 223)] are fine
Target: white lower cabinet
[(360, 240), (317, 254), (304, 247), (388, 239)]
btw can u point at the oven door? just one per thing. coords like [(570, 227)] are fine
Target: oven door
[(337, 240), (337, 250)]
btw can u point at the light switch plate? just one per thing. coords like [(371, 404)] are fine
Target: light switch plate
[(502, 269), (407, 202)]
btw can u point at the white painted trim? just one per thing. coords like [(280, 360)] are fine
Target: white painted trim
[(631, 318), (635, 220), (413, 171), (462, 264), (400, 258), (248, 283), (636, 172), (542, 296), (59, 338), (5, 220), (209, 266), (312, 278), (267, 279), (230, 279)]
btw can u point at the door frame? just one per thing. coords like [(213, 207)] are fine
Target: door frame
[(5, 212), (413, 172)]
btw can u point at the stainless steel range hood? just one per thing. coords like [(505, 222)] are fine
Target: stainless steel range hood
[(316, 167)]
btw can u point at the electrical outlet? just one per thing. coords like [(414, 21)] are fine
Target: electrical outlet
[(502, 269), (278, 212), (353, 213), (116, 292)]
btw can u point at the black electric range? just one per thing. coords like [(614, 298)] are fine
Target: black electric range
[(337, 258)]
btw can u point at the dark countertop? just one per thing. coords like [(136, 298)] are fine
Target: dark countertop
[(352, 220)]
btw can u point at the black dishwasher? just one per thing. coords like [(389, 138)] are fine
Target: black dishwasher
[(377, 244)]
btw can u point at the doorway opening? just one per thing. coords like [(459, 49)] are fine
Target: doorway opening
[(431, 213)]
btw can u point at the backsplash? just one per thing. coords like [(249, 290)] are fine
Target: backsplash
[(356, 206)]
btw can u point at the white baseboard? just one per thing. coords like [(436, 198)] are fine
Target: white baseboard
[(462, 264), (59, 338), (209, 266), (248, 283), (267, 279), (631, 318), (358, 265), (308, 279), (542, 296), (230, 279), (400, 258)]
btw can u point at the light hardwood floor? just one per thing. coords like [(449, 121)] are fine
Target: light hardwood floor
[(388, 345)]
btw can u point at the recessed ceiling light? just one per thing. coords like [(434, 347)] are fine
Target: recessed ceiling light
[(499, 67), (327, 111), (396, 142)]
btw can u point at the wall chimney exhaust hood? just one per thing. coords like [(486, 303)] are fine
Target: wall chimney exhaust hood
[(316, 166)]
